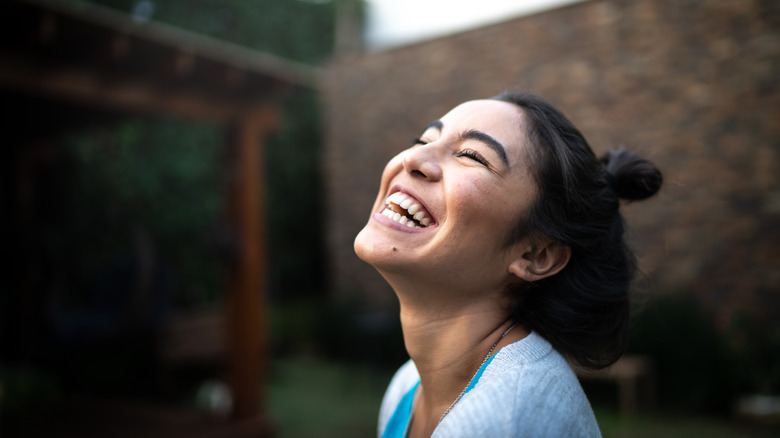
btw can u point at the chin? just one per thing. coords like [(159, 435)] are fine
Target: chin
[(372, 249), (363, 246)]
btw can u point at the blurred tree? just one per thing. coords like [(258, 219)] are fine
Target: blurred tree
[(295, 209), (114, 217), (141, 185), (693, 361), (123, 217), (302, 30)]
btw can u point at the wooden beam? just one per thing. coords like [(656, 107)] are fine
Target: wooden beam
[(223, 52), (90, 86), (183, 63), (246, 304)]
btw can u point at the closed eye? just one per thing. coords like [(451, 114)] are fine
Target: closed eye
[(474, 155), (419, 141)]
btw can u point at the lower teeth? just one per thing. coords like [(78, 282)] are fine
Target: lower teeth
[(409, 222)]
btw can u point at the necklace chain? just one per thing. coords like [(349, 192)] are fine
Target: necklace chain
[(475, 374)]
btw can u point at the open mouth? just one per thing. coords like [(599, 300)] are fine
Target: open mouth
[(406, 210)]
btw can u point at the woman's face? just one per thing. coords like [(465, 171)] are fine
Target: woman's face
[(447, 204)]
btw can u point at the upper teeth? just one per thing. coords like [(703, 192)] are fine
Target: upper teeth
[(398, 202)]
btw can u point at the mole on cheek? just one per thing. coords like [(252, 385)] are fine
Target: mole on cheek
[(395, 249)]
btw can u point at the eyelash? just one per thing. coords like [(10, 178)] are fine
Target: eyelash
[(468, 153), (474, 155)]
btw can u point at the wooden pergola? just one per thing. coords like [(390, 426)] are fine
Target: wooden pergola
[(82, 55)]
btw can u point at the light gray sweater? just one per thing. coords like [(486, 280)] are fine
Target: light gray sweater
[(528, 390)]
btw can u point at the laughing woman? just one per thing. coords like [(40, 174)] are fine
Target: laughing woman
[(500, 233)]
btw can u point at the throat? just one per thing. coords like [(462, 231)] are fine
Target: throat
[(423, 420)]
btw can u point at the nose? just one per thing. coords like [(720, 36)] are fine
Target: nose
[(423, 162)]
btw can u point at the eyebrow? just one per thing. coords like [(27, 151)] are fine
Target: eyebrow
[(473, 134)]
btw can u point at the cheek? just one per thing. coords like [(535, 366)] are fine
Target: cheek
[(487, 213), (477, 201)]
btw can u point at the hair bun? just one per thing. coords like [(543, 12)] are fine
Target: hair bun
[(631, 177)]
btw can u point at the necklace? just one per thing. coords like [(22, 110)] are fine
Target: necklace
[(475, 374)]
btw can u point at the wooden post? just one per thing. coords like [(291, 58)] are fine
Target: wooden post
[(245, 306)]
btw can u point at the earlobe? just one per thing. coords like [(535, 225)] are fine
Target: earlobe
[(519, 268), (542, 262)]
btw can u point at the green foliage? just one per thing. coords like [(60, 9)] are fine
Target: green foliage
[(117, 190), (141, 179), (668, 425), (295, 210), (294, 29), (323, 399), (756, 346), (703, 368), (23, 386), (691, 358), (338, 330)]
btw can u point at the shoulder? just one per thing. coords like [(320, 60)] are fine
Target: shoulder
[(403, 380), (527, 390)]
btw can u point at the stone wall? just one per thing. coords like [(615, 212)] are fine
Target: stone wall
[(692, 85)]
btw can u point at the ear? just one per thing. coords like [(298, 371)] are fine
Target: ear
[(535, 262)]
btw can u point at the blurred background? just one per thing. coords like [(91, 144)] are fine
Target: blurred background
[(182, 183)]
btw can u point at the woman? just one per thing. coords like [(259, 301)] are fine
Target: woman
[(500, 233)]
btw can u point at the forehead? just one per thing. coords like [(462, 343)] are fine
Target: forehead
[(503, 121)]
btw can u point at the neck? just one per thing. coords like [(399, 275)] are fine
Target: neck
[(448, 343)]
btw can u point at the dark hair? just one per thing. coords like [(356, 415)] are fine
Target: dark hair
[(583, 310)]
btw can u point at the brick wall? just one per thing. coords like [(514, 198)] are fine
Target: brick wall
[(692, 85)]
